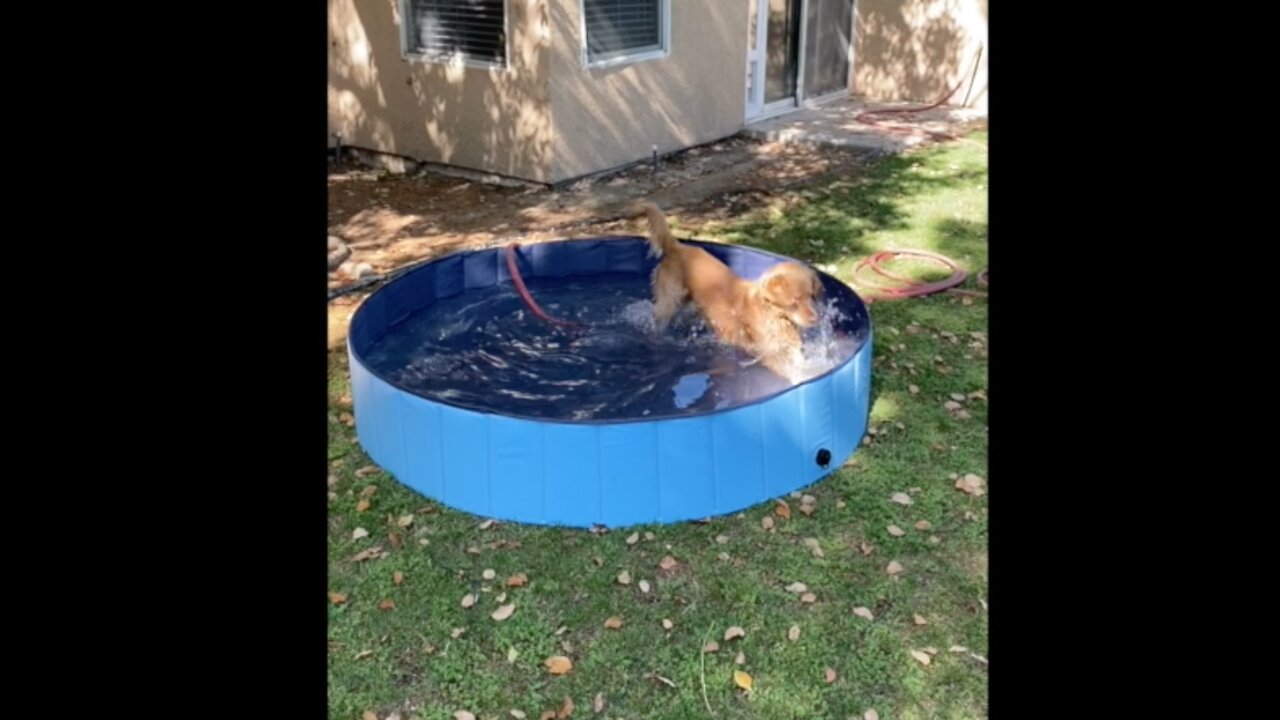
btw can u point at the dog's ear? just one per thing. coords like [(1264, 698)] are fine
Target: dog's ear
[(775, 284)]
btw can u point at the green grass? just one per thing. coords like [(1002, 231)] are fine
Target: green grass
[(731, 571)]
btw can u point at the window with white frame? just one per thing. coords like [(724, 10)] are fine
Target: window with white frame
[(473, 31), (621, 30)]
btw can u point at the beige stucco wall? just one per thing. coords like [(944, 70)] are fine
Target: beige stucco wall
[(917, 50), (496, 120), (606, 117)]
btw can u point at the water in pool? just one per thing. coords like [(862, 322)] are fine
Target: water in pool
[(485, 350)]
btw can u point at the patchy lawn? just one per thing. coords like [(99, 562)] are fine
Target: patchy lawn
[(856, 638)]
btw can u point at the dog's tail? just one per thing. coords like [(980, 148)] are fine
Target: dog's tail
[(660, 238)]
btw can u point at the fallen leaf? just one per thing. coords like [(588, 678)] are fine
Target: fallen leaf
[(362, 505), (931, 650), (387, 605), (397, 577), (337, 598), (667, 624), (665, 681), (922, 658), (598, 703), (722, 539), (808, 509), (831, 676), (649, 536), (863, 612), (814, 547), (742, 680), (958, 649), (363, 654), (394, 716), (562, 630), (952, 405), (613, 623), (919, 619), (794, 633), (624, 578), (894, 567), (963, 414), (456, 633), (566, 646), (633, 538), (734, 632), (512, 655), (565, 710), (914, 389), (367, 470), (502, 597), (724, 557), (896, 531), (971, 484), (865, 548), (711, 647), (840, 503), (558, 664), (901, 498), (368, 715), (468, 600), (740, 659), (487, 524), (644, 586), (503, 612), (871, 715), (405, 521), (347, 418), (488, 574), (924, 525), (808, 598), (766, 522), (782, 509), (797, 587), (518, 714), (359, 533), (517, 580), (548, 715), (667, 562), (599, 561), (370, 554), (463, 715)]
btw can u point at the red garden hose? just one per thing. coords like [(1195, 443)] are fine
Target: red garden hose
[(912, 288), (865, 118), (524, 291)]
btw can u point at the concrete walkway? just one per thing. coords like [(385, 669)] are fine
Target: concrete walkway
[(835, 124)]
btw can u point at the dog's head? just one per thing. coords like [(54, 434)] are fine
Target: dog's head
[(793, 289)]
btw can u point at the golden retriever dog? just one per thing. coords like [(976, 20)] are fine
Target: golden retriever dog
[(763, 318)]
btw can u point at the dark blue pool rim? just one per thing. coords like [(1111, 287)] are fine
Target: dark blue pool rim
[(407, 294)]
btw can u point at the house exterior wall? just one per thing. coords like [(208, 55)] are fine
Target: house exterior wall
[(918, 50), (603, 118), (492, 119)]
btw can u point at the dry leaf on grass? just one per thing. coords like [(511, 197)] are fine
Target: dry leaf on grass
[(952, 405), (624, 578), (633, 538), (397, 577), (337, 598), (740, 658), (565, 710), (667, 624), (548, 715), (487, 524), (649, 536), (468, 600), (924, 525), (971, 484), (734, 632), (782, 509), (457, 633), (364, 654), (894, 567), (370, 554), (667, 563), (797, 588), (814, 547), (463, 715), (367, 470), (901, 498), (387, 604), (742, 680), (766, 522), (558, 664), (711, 647), (871, 715), (896, 531), (866, 548), (512, 655), (808, 598), (863, 612), (517, 580), (921, 657), (518, 714), (503, 612), (794, 633), (362, 505), (831, 675), (644, 586), (919, 619), (598, 704), (405, 521), (722, 539), (359, 533), (368, 715), (347, 418), (613, 623), (913, 389)]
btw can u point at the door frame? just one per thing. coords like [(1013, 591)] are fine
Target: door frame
[(756, 108)]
